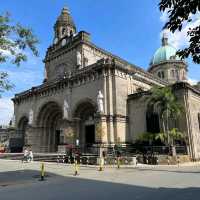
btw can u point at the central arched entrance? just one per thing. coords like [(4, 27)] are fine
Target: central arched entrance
[(85, 115), (49, 121), (22, 132)]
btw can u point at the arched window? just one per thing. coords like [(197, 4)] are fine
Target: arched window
[(162, 74), (152, 122), (63, 31)]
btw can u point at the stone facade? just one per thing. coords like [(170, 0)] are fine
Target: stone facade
[(65, 107)]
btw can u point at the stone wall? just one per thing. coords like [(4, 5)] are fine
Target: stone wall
[(193, 110)]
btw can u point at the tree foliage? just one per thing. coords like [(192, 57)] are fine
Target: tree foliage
[(181, 12), (174, 134), (14, 40), (163, 101)]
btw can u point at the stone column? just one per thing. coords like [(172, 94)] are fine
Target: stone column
[(101, 134), (33, 138)]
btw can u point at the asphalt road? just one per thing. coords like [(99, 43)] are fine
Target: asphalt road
[(21, 181)]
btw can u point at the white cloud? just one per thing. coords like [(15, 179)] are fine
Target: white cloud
[(192, 81), (27, 78), (179, 39), (6, 110)]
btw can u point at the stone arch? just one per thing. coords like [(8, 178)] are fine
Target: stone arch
[(84, 114), (48, 122), (81, 105), (22, 127)]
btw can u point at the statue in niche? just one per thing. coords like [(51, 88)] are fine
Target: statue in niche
[(79, 59), (65, 110), (30, 118), (100, 102)]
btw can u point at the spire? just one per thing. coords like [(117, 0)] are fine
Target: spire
[(164, 39), (64, 25), (65, 10)]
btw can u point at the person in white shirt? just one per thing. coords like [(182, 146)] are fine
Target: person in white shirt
[(30, 155), (25, 155)]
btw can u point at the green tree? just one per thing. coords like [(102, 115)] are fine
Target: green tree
[(14, 40), (181, 12), (163, 101), (174, 134), (146, 137)]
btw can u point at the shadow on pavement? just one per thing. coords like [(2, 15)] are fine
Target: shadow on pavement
[(24, 184)]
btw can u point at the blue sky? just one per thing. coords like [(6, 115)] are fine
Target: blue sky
[(130, 29)]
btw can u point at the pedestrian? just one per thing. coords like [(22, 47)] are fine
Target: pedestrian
[(30, 155), (25, 158)]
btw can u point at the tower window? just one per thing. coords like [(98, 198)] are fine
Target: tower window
[(161, 74), (63, 31)]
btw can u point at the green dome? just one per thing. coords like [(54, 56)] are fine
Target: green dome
[(164, 53)]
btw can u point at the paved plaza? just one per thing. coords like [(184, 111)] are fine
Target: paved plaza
[(21, 181)]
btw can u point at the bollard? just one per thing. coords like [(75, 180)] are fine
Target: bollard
[(42, 172), (75, 167), (168, 162), (101, 164), (118, 162), (63, 160), (178, 160)]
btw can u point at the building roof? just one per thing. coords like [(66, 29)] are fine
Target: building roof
[(164, 53), (65, 18)]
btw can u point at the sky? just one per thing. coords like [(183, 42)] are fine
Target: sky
[(130, 29)]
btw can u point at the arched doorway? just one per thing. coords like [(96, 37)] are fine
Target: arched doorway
[(85, 115), (49, 121), (22, 132)]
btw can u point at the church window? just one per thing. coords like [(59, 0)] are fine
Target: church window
[(63, 31), (152, 122), (199, 120), (163, 75), (159, 74)]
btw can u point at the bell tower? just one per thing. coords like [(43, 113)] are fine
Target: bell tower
[(64, 26)]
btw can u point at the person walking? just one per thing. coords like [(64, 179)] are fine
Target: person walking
[(30, 156), (25, 158)]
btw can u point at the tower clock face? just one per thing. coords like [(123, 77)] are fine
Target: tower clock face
[(55, 41), (64, 42)]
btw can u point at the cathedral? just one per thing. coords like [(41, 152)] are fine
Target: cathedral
[(91, 96)]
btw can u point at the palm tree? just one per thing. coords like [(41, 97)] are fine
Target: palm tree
[(164, 102)]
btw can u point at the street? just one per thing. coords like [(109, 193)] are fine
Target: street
[(22, 181)]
